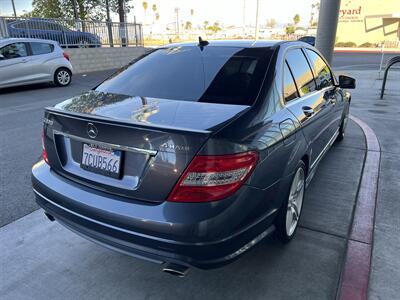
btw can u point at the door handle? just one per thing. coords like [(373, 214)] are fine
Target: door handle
[(308, 111)]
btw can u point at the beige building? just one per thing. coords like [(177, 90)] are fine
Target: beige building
[(369, 21)]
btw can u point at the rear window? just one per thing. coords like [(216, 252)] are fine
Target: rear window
[(227, 75), (41, 48)]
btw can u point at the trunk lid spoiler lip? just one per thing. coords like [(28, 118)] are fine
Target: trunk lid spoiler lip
[(87, 117)]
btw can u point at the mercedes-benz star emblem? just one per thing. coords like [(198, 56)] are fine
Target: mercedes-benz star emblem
[(91, 130)]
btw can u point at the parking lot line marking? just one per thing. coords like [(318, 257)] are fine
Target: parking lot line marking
[(357, 265)]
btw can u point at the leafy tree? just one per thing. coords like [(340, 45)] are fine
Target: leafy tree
[(206, 24), (49, 9), (192, 12), (63, 9), (157, 16), (296, 19)]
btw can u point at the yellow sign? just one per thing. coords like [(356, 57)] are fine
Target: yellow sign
[(369, 21)]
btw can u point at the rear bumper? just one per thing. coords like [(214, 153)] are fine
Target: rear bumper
[(203, 235)]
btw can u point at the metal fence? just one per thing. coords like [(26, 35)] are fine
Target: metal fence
[(74, 33)]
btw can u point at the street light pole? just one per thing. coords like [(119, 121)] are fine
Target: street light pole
[(244, 18), (327, 26), (13, 6), (177, 20), (256, 33)]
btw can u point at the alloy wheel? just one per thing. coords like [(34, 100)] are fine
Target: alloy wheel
[(63, 77), (295, 202)]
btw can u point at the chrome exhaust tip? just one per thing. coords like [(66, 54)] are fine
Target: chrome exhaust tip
[(176, 270)]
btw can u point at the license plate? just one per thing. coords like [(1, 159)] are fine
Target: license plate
[(101, 160)]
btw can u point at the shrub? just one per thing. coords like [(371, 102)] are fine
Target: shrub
[(346, 44), (290, 29), (368, 45)]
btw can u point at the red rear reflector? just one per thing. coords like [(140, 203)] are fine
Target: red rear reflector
[(66, 55), (211, 178), (44, 152)]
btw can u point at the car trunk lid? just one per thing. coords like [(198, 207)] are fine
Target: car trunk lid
[(156, 138)]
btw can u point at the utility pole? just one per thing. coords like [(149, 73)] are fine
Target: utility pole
[(256, 33), (327, 26), (177, 20), (244, 18), (13, 6)]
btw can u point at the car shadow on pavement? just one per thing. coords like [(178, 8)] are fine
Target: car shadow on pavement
[(45, 260), (24, 88)]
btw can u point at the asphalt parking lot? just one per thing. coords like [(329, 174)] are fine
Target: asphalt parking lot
[(21, 114), (41, 259)]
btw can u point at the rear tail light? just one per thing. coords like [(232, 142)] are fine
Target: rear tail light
[(44, 152), (211, 178), (66, 55)]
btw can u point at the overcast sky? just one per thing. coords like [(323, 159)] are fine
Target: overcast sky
[(227, 12)]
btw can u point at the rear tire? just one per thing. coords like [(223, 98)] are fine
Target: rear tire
[(289, 214), (62, 77)]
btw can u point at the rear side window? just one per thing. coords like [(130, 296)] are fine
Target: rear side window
[(323, 75), (228, 75), (41, 48), (301, 71), (289, 87), (15, 50)]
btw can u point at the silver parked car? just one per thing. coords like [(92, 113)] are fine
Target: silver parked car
[(27, 61)]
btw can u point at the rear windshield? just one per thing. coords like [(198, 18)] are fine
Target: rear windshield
[(228, 75)]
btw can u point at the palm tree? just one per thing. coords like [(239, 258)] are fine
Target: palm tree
[(145, 5), (188, 25), (314, 11), (154, 8), (296, 19)]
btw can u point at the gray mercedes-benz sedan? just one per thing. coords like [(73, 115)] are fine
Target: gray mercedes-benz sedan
[(193, 152)]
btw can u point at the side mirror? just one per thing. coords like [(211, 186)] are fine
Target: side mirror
[(347, 82)]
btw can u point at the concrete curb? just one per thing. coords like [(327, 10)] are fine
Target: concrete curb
[(357, 265)]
